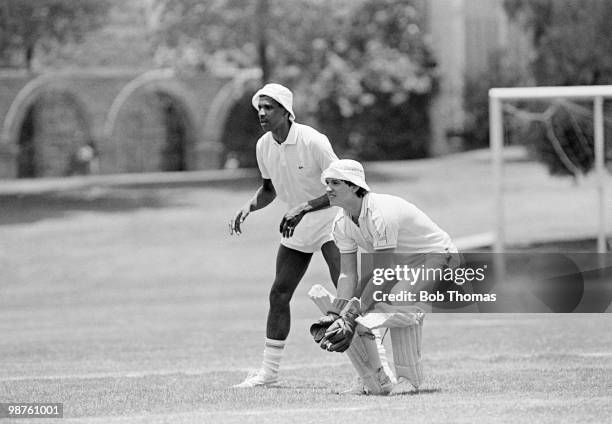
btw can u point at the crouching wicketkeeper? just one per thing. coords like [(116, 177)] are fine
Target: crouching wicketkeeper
[(377, 223)]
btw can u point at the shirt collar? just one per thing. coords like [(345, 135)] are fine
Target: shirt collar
[(364, 209), (292, 135), (364, 206)]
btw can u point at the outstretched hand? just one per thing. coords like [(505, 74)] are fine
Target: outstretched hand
[(236, 222)]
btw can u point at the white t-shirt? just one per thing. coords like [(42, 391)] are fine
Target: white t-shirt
[(295, 168), (388, 222)]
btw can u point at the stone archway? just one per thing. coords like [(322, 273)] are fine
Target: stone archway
[(222, 104), (177, 115), (18, 132)]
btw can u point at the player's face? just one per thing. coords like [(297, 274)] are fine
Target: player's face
[(339, 192), (272, 115)]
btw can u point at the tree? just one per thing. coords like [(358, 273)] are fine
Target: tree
[(241, 33), (376, 81), (28, 25), (360, 69), (571, 41), (499, 73)]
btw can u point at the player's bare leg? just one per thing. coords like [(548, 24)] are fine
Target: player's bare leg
[(291, 265), (331, 254), (290, 268)]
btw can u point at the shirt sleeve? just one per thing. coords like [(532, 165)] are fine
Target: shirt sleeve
[(322, 151), (260, 160), (343, 241), (385, 231)]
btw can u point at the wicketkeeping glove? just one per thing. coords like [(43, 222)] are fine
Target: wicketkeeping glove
[(339, 335), (319, 328)]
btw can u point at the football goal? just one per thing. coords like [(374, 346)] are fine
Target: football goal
[(499, 97)]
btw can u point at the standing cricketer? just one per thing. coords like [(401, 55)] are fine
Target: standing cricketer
[(377, 223), (290, 157)]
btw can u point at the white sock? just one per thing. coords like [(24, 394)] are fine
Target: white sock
[(273, 353)]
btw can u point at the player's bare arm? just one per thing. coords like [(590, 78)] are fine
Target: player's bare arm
[(262, 198), (385, 260), (348, 281), (293, 217)]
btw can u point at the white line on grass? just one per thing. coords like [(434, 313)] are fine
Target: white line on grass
[(290, 367)]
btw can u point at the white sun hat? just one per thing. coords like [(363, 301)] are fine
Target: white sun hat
[(278, 92), (347, 170)]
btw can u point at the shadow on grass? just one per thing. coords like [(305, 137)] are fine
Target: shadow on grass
[(29, 208), (410, 393)]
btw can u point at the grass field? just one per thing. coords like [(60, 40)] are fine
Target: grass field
[(135, 305)]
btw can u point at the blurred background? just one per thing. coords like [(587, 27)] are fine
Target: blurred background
[(132, 86)]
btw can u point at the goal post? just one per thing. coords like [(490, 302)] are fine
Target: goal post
[(594, 93)]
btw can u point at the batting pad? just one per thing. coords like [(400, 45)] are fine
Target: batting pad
[(321, 297), (406, 343), (382, 354), (388, 316), (364, 352)]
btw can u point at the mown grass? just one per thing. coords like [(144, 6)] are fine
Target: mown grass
[(135, 305)]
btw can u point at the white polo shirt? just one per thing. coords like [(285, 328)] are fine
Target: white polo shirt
[(295, 168), (388, 222)]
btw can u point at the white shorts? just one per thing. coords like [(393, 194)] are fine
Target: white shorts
[(313, 231)]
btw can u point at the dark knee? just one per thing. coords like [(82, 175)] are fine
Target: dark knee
[(280, 298)]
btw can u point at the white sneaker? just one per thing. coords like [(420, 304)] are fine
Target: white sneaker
[(360, 388), (257, 378), (403, 386)]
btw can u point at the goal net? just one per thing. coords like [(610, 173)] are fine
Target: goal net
[(582, 110)]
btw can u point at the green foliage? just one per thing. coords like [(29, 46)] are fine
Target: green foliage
[(476, 100), (375, 84), (198, 33), (227, 32), (571, 40), (360, 70), (122, 41), (28, 25)]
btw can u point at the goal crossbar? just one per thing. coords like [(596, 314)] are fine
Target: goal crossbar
[(595, 93)]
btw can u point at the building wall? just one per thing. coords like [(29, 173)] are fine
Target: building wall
[(465, 34), (447, 31), (137, 121)]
